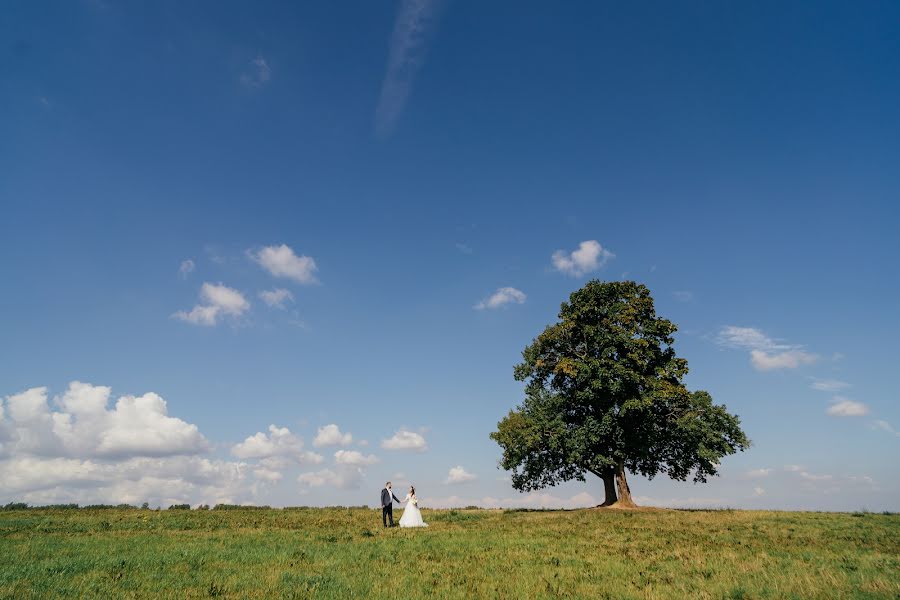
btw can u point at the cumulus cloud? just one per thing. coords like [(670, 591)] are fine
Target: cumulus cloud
[(86, 427), (276, 298), (217, 301), (86, 451), (589, 257), (406, 56), (766, 354), (354, 458), (159, 481), (458, 474), (280, 261), (279, 442), (405, 440), (502, 297), (330, 435), (844, 407), (259, 74), (186, 268)]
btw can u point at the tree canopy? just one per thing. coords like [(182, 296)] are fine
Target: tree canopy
[(604, 395)]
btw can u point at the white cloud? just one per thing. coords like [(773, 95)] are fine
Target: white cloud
[(200, 315), (85, 427), (844, 407), (784, 360), (758, 491), (502, 297), (330, 435), (464, 248), (88, 452), (766, 354), (748, 338), (793, 468), (758, 473), (459, 475), (405, 58), (405, 440), (884, 426), (683, 296), (186, 268), (354, 458), (280, 261), (812, 477), (589, 257), (218, 300), (159, 481), (345, 478), (828, 385), (279, 442), (277, 297), (260, 73)]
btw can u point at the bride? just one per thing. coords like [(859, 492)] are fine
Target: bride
[(412, 516)]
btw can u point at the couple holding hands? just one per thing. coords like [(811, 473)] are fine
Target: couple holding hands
[(411, 517)]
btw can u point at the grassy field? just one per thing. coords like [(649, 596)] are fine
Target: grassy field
[(345, 553)]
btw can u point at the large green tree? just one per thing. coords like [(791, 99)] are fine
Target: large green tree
[(604, 395)]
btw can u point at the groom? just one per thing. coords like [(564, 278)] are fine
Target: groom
[(387, 504)]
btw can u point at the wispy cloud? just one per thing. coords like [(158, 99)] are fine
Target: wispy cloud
[(755, 473), (502, 297), (683, 296), (406, 56), (589, 257), (186, 268), (276, 298), (828, 385), (844, 407), (885, 426), (260, 73), (766, 354), (763, 361)]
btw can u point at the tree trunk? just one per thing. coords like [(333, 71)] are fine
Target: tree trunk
[(622, 484), (609, 485)]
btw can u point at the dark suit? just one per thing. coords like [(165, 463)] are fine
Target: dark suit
[(387, 506)]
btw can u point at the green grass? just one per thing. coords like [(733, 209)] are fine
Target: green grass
[(345, 553)]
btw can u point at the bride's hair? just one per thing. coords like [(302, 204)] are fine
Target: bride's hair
[(412, 490)]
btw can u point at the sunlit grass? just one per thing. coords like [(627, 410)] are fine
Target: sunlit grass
[(344, 553)]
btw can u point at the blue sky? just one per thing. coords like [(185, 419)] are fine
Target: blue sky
[(382, 170)]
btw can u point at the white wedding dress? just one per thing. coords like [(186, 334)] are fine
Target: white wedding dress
[(412, 516)]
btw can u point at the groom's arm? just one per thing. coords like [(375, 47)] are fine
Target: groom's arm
[(396, 499)]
